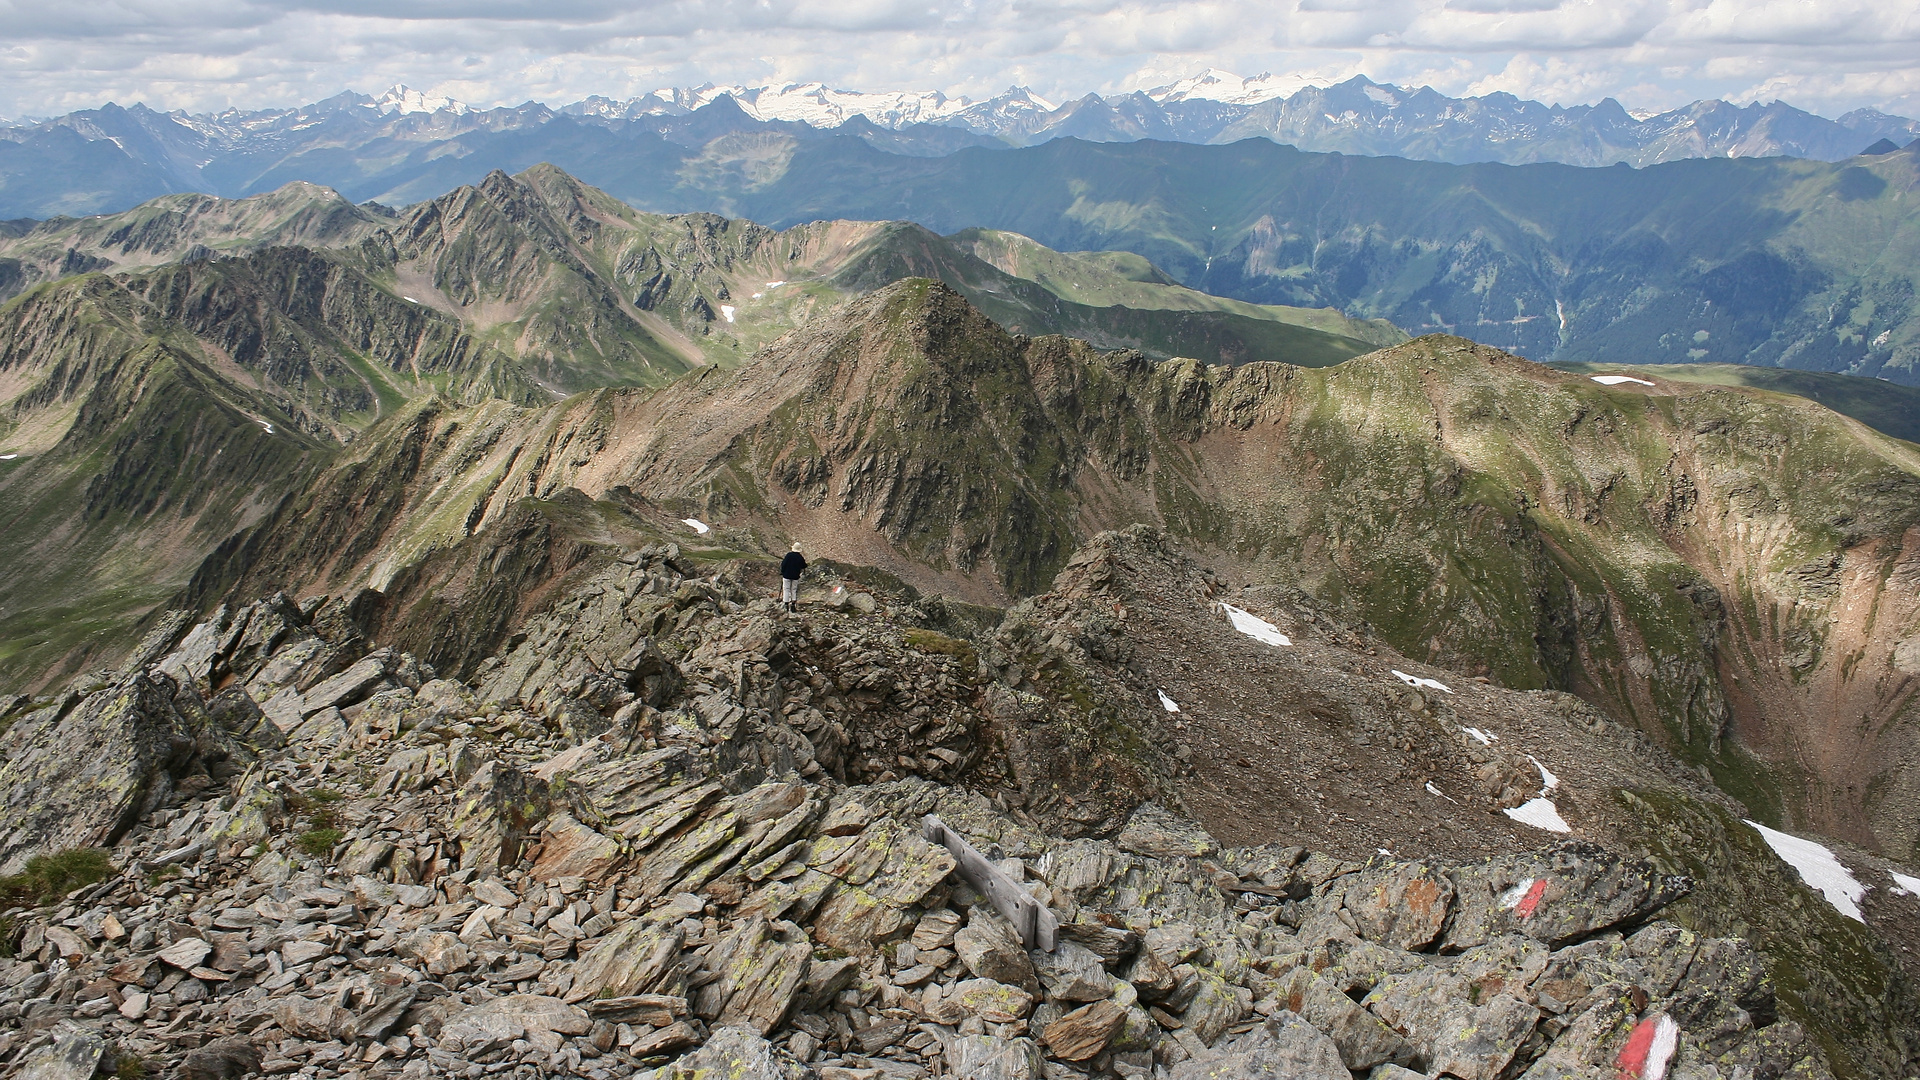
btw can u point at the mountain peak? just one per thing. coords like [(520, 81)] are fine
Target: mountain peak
[(403, 99), (1214, 84)]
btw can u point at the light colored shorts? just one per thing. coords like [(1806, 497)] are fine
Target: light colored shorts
[(789, 590)]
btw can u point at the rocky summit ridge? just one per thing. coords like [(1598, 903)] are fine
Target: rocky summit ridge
[(1716, 567), (672, 831)]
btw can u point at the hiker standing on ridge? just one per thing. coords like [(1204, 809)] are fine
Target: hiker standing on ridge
[(791, 568)]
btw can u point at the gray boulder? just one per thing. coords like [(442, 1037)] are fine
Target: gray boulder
[(988, 1057), (735, 1054), (1285, 1048), (84, 779)]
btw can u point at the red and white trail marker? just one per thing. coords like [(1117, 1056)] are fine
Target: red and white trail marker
[(1649, 1049), (1524, 898)]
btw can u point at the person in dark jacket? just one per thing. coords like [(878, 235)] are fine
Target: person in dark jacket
[(791, 568)]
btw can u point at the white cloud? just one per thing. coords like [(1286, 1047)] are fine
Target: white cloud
[(1828, 56)]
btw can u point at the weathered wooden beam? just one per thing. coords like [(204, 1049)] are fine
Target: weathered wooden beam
[(1038, 926)]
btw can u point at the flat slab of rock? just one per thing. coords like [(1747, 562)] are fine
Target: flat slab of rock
[(991, 950), (570, 849), (736, 1055), (1085, 1031), (74, 1054), (760, 976), (1441, 1019), (1072, 972), (345, 688), (1156, 831), (1402, 906), (1558, 897), (186, 953), (1286, 1048), (628, 961), (505, 1019), (987, 1057)]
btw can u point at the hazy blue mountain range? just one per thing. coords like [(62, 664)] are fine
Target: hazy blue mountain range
[(112, 158), (1771, 261), (1775, 262)]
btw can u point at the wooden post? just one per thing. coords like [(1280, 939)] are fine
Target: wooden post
[(1036, 923)]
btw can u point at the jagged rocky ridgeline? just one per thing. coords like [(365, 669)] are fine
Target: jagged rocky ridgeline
[(556, 869)]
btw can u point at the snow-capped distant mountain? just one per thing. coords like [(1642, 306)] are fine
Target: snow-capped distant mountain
[(1014, 114), (404, 99), (658, 103), (1228, 88), (110, 158), (820, 105)]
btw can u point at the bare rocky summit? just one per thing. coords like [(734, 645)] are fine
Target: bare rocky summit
[(670, 831)]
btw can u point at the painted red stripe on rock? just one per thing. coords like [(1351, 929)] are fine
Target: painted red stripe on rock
[(1632, 1061), (1532, 900)]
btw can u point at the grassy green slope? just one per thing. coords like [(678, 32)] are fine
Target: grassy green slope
[(1123, 279), (1884, 406), (1171, 322), (173, 227), (164, 459)]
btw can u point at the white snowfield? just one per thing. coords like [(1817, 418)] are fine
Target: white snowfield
[(1224, 86), (696, 525), (1484, 738), (1167, 702), (1819, 869), (1417, 682), (1904, 884), (726, 312), (8, 457), (1616, 380), (1548, 781), (1541, 814), (1255, 627), (820, 105), (402, 98), (268, 426), (1431, 790), (1540, 811)]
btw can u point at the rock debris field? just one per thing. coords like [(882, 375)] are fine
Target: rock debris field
[(671, 832)]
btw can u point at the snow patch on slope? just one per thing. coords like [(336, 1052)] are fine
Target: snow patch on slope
[(1416, 681), (1541, 814), (1819, 869), (1255, 627)]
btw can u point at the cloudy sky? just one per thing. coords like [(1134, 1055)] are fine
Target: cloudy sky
[(1824, 55)]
